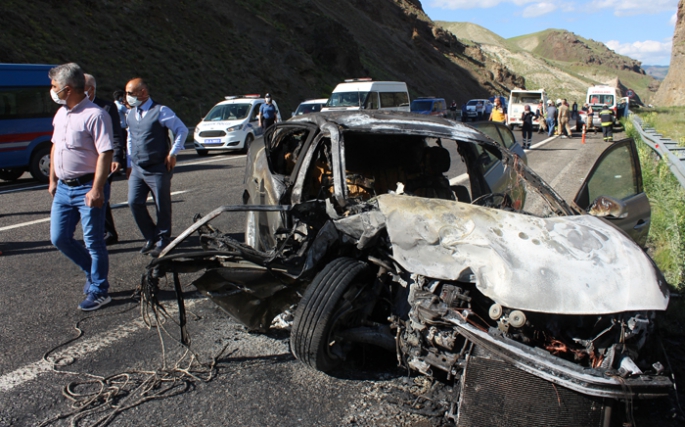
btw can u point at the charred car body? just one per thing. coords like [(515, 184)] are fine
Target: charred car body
[(499, 283)]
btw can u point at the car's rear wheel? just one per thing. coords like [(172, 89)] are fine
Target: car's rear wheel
[(202, 152), (40, 164), (332, 303), (12, 174)]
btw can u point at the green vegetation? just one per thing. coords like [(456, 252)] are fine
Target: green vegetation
[(668, 121), (666, 240)]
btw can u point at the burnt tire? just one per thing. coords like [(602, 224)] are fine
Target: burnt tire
[(40, 164), (11, 174), (324, 308)]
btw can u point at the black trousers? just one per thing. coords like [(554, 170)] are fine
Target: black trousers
[(608, 132), (109, 219)]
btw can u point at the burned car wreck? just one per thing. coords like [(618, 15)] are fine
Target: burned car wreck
[(540, 310)]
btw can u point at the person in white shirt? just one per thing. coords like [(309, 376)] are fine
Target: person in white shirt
[(151, 162)]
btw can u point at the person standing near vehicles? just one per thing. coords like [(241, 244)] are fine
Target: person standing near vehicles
[(607, 118), (267, 113), (81, 160), (540, 115), (563, 120), (453, 110), (122, 109), (551, 114), (151, 163), (589, 119), (111, 236), (498, 113), (527, 127), (574, 111)]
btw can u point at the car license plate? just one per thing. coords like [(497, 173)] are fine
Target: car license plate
[(213, 141)]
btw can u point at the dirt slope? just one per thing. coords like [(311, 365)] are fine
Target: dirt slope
[(195, 53)]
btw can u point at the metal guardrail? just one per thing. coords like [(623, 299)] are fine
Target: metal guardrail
[(666, 148)]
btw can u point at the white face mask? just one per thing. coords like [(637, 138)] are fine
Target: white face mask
[(133, 101), (56, 98)]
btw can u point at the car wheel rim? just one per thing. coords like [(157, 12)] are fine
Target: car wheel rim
[(44, 165)]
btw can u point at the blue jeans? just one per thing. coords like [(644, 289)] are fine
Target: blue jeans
[(68, 207), (550, 126)]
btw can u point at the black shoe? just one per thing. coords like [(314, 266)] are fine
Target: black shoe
[(149, 245), (154, 253), (111, 239)]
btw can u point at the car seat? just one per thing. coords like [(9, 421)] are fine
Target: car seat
[(431, 181)]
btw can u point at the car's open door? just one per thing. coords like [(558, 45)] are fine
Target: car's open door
[(617, 175)]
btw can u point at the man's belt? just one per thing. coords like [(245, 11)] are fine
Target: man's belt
[(81, 180)]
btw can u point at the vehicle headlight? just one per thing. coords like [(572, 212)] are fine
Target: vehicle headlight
[(233, 128)]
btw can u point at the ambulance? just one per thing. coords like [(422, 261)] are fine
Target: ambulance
[(600, 95)]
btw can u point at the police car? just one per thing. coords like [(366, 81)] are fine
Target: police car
[(231, 125)]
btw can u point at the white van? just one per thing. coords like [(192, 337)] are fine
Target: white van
[(366, 94), (518, 99)]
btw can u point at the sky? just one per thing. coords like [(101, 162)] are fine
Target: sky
[(640, 29)]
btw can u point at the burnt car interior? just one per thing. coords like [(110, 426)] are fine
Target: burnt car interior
[(370, 245)]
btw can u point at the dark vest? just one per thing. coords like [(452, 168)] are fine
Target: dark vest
[(149, 139), (607, 117)]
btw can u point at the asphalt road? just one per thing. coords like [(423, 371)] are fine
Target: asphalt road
[(256, 381)]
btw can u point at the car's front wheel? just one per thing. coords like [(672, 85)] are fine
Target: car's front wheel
[(332, 303)]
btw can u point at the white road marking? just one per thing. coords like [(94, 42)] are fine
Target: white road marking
[(79, 350), (463, 177), (201, 162), (186, 163), (24, 189), (38, 221)]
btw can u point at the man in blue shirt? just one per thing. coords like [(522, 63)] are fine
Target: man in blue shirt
[(151, 163), (267, 113)]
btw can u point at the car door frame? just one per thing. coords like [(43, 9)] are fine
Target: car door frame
[(637, 221)]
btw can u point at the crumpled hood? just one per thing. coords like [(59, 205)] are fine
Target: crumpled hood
[(564, 265)]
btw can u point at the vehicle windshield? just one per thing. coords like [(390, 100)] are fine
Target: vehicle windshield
[(421, 105), (601, 99), (228, 112), (347, 99), (525, 99), (475, 102), (308, 108)]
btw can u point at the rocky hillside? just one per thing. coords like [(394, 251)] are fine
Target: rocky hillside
[(672, 90), (194, 53), (562, 62)]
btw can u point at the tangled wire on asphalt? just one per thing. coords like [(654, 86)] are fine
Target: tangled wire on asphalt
[(97, 400)]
